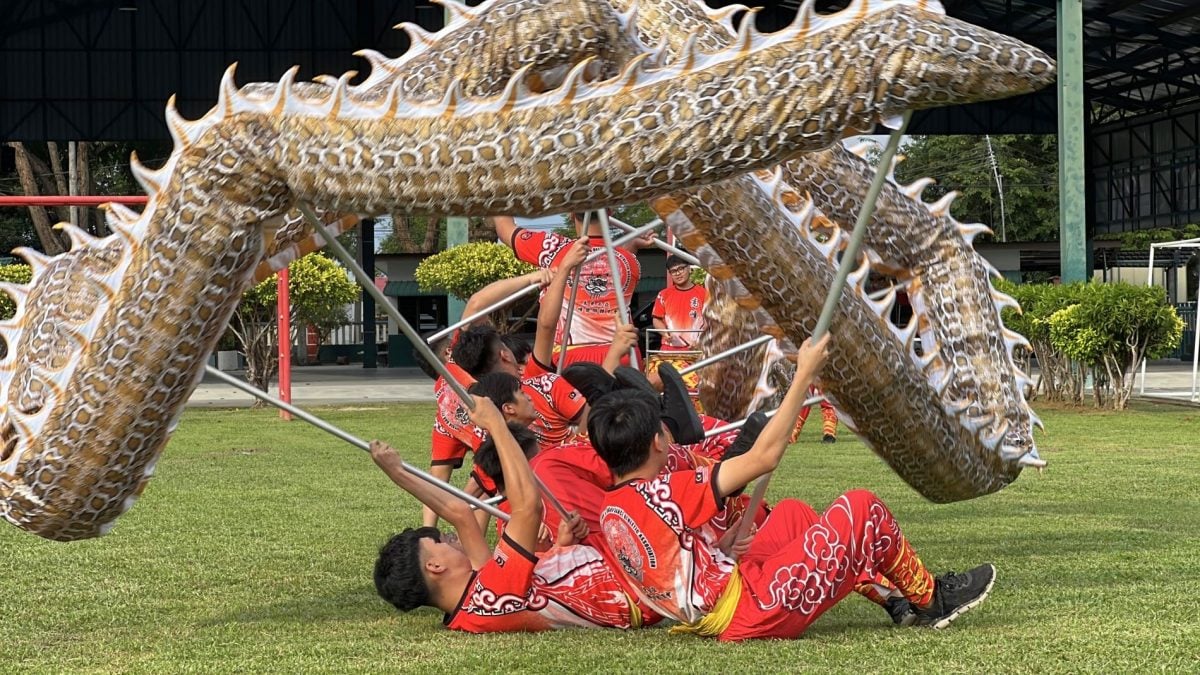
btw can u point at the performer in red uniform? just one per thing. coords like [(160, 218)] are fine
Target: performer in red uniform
[(453, 435), (594, 321), (679, 308), (509, 589), (793, 570)]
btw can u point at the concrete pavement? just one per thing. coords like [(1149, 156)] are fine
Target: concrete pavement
[(336, 385)]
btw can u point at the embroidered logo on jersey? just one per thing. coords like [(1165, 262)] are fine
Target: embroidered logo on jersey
[(596, 285), (627, 542), (461, 416)]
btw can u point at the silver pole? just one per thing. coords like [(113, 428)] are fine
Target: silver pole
[(566, 331), (513, 298), (849, 260), (763, 339), (558, 506), (610, 251), (499, 304), (741, 423), (368, 285), (352, 440), (1150, 282), (661, 245)]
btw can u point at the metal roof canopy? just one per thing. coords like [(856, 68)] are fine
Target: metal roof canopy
[(103, 69)]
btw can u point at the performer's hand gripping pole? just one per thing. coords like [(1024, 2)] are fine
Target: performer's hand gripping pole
[(732, 426), (622, 308), (381, 300), (352, 440), (849, 261)]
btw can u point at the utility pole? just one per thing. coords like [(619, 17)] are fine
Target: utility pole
[(999, 188)]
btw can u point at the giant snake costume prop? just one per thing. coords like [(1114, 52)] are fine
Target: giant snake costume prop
[(533, 107)]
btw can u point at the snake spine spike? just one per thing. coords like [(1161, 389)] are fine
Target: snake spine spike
[(968, 353), (102, 356)]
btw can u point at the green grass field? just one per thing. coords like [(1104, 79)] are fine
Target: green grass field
[(252, 549)]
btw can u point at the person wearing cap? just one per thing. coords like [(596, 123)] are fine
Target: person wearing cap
[(679, 308)]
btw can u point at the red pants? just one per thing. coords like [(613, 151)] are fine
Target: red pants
[(801, 564), (829, 419)]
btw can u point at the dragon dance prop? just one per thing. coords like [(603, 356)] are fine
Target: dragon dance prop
[(524, 107)]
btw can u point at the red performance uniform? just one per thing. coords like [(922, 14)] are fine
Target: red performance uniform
[(557, 404), (568, 587), (658, 532), (453, 433), (680, 311), (596, 301), (799, 564)]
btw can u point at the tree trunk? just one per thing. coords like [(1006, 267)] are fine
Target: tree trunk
[(51, 243), (402, 233), (433, 226), (60, 180), (480, 229)]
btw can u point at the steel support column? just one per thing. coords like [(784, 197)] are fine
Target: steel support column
[(456, 233), (1072, 184)]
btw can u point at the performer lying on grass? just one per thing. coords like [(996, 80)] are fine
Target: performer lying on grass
[(509, 589), (796, 566)]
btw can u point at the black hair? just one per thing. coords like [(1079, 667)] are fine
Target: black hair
[(622, 428), (438, 346), (488, 459), (675, 261), (500, 387), (399, 574), (520, 347), (478, 350)]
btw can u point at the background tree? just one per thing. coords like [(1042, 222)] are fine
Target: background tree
[(44, 170), (1028, 165), (464, 269), (319, 291)]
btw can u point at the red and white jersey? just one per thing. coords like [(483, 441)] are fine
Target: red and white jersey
[(681, 311), (576, 475), (596, 300), (569, 587), (451, 422), (555, 401), (658, 533)]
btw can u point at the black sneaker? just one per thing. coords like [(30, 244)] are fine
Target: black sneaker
[(954, 594), (901, 611), (590, 379), (679, 413), (749, 432), (829, 438)]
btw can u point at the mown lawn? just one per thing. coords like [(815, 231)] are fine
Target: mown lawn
[(252, 551)]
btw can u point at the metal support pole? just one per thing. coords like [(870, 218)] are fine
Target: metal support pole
[(499, 304), (1150, 282), (566, 329), (366, 253), (849, 261), (368, 284), (659, 244), (352, 440), (622, 308), (513, 298), (762, 339), (283, 315), (1072, 118), (717, 431)]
